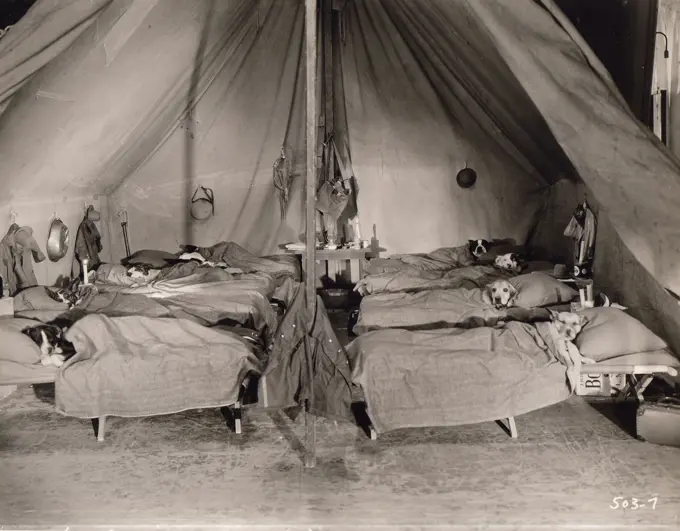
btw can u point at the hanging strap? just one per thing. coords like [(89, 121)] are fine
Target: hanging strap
[(209, 197), (347, 173)]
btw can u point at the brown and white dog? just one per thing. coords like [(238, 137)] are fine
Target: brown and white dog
[(54, 348), (508, 262), (499, 294), (568, 325), (142, 273)]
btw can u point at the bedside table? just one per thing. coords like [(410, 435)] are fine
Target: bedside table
[(7, 308)]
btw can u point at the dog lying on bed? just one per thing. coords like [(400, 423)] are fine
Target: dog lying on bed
[(569, 325), (54, 348), (479, 248), (142, 272), (510, 262), (197, 257), (499, 294), (71, 293)]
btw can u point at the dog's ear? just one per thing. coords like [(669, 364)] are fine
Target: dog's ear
[(53, 295), (513, 293), (36, 333), (486, 295)]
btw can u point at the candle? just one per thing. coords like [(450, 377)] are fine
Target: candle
[(589, 292), (85, 263), (582, 296), (357, 230)]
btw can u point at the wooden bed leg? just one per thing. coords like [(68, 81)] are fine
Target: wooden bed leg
[(232, 416), (364, 421), (99, 426), (642, 386), (237, 418), (634, 386), (510, 427)]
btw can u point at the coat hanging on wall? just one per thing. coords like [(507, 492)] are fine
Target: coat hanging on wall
[(18, 250), (88, 243)]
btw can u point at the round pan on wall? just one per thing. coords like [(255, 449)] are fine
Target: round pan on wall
[(466, 178), (57, 240)]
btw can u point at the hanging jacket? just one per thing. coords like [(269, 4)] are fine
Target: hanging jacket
[(88, 246), (285, 381), (584, 234), (18, 249)]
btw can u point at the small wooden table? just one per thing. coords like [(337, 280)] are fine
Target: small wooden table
[(333, 260)]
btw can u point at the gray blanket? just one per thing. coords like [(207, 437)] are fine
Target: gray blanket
[(200, 298), (425, 309), (476, 276), (441, 259), (452, 376), (138, 366)]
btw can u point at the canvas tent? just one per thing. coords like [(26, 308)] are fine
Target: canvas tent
[(133, 103)]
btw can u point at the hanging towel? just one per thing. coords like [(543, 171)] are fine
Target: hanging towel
[(88, 246), (18, 250)]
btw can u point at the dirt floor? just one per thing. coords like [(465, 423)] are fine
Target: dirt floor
[(569, 464)]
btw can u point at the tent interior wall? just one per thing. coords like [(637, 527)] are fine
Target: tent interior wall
[(666, 71), (138, 103)]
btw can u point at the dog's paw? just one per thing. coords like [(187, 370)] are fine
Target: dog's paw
[(57, 360)]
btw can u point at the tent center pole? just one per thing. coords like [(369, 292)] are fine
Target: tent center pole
[(310, 259)]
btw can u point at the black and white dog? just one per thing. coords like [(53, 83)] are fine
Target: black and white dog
[(70, 293), (479, 248), (511, 262), (54, 348)]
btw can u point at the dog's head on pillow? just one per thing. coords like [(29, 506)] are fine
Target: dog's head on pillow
[(499, 294), (478, 248), (138, 271), (54, 349), (508, 262), (568, 325)]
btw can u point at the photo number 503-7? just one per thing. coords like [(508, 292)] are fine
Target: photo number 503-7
[(621, 502)]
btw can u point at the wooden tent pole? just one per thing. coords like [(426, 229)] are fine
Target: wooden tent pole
[(310, 260)]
